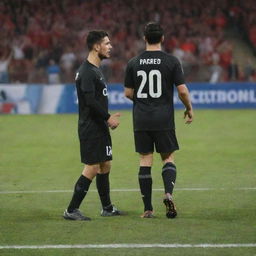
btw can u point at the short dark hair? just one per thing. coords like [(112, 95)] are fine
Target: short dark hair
[(95, 36), (153, 33)]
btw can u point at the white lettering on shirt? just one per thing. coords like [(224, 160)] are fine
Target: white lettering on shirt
[(150, 61)]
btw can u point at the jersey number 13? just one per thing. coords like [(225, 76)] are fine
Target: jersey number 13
[(155, 89)]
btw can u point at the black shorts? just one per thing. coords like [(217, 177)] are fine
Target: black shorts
[(96, 150), (164, 141)]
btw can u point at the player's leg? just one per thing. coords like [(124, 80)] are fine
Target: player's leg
[(166, 144), (80, 190), (102, 183), (91, 156), (144, 145), (103, 187), (104, 156), (145, 182), (168, 172), (102, 178), (169, 178)]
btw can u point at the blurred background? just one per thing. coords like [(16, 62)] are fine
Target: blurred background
[(43, 41)]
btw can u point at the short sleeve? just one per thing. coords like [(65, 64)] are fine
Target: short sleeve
[(178, 74), (129, 81)]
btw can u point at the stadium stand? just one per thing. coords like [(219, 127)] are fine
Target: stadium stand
[(40, 34)]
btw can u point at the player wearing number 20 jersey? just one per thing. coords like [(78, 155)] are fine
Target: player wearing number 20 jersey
[(149, 82), (153, 75)]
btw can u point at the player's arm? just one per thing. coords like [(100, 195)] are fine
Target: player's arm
[(95, 106), (97, 109), (129, 82), (184, 97), (183, 91), (89, 93), (113, 121), (129, 92)]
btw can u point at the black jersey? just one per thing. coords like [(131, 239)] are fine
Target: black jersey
[(153, 75), (92, 102)]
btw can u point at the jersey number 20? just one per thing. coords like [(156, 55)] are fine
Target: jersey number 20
[(154, 91)]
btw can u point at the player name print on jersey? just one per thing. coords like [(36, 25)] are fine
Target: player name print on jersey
[(150, 61)]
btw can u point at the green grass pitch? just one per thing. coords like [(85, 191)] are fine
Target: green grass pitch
[(217, 152)]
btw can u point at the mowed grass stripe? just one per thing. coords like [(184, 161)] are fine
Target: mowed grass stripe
[(116, 246), (122, 190)]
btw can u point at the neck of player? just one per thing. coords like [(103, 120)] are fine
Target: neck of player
[(94, 59), (153, 47)]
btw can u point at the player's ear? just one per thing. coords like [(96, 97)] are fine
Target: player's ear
[(162, 39), (96, 47), (144, 38)]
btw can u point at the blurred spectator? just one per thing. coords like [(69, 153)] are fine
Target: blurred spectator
[(67, 62), (233, 74), (252, 34), (249, 70), (17, 48), (188, 46), (179, 53), (53, 71), (253, 76), (42, 30), (216, 72), (4, 65)]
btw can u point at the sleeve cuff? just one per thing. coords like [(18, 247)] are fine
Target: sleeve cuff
[(107, 116)]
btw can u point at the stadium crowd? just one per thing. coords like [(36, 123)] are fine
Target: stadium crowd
[(43, 41)]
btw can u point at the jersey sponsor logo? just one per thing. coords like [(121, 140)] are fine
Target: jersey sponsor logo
[(150, 61), (105, 92), (108, 151), (77, 75), (154, 79)]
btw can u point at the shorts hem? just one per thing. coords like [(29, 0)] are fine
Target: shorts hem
[(172, 150), (96, 162)]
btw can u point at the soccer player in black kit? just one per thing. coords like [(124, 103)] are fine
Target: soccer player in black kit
[(93, 128), (149, 82)]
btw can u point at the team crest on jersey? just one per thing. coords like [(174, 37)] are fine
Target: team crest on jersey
[(105, 92)]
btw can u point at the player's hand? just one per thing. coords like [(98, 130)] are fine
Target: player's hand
[(188, 115), (113, 121)]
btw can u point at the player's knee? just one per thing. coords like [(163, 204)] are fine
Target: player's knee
[(146, 159), (105, 167), (90, 171), (167, 157)]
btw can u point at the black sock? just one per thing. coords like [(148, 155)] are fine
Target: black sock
[(102, 183), (169, 177), (145, 181), (81, 188)]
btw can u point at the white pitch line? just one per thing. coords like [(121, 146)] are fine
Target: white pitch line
[(121, 190), (116, 246)]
